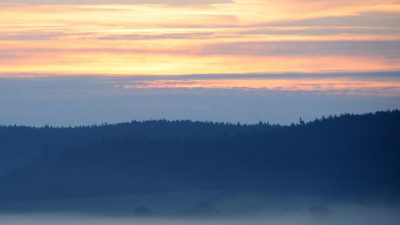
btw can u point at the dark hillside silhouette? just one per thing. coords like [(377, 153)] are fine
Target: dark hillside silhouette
[(19, 144), (340, 156)]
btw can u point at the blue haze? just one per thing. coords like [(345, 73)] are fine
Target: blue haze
[(83, 100)]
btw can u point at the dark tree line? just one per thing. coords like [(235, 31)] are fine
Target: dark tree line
[(19, 144), (340, 156)]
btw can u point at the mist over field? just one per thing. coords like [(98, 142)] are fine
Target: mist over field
[(349, 214)]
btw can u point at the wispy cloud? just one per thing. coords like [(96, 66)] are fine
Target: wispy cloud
[(99, 2), (388, 49), (366, 19), (329, 84), (188, 37)]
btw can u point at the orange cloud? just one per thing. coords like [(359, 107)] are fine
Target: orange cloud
[(239, 36), (341, 85)]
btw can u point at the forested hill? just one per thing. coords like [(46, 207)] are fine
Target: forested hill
[(348, 155), (19, 144)]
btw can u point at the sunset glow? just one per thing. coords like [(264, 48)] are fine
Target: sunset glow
[(197, 37)]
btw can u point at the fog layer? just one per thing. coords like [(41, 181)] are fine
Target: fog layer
[(338, 214)]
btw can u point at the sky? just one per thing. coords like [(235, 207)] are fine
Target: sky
[(246, 98), (177, 37), (89, 61)]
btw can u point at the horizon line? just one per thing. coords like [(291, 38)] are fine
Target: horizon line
[(104, 124)]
